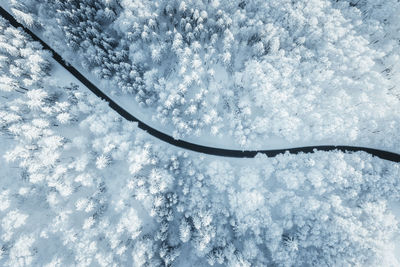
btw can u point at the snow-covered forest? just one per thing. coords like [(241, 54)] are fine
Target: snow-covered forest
[(81, 186), (242, 71)]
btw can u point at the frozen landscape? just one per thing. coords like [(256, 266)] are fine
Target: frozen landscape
[(82, 186)]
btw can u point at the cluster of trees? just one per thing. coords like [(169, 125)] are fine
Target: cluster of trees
[(85, 29), (380, 19), (252, 69), (294, 70), (20, 67), (315, 210)]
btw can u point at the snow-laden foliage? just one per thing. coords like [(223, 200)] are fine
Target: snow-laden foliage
[(80, 186), (297, 70), (21, 63)]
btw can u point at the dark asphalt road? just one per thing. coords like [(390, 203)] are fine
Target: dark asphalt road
[(183, 144)]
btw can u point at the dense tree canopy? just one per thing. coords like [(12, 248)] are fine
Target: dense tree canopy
[(299, 71), (81, 186)]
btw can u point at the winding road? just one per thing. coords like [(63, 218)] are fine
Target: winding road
[(183, 144)]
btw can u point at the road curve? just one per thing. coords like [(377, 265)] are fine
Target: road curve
[(183, 144)]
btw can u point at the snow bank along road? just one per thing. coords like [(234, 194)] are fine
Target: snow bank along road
[(183, 144)]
